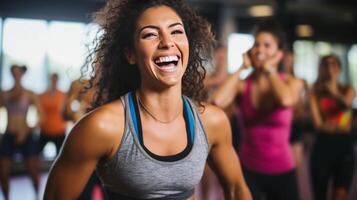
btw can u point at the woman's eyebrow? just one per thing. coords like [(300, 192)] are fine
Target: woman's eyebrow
[(157, 28)]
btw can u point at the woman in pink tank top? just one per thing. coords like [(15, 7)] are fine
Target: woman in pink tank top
[(266, 98)]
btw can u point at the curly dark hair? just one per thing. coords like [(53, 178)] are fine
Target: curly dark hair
[(111, 74)]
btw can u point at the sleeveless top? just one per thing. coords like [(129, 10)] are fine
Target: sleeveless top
[(136, 173), (333, 113), (265, 144), (17, 107), (53, 123)]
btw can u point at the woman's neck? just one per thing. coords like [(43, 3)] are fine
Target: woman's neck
[(164, 104), (17, 86), (258, 74)]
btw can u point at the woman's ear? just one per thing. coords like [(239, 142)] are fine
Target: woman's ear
[(130, 56)]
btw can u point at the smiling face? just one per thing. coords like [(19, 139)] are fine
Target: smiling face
[(265, 47), (161, 47)]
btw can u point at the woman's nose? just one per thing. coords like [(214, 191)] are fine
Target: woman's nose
[(166, 41)]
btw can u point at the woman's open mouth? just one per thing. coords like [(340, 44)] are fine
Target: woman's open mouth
[(167, 63)]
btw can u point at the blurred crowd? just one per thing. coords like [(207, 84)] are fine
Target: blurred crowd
[(276, 120)]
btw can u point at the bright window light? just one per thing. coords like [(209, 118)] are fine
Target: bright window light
[(237, 45), (24, 43), (67, 49), (352, 60)]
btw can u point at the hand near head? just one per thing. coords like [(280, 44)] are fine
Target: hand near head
[(246, 60), (273, 62)]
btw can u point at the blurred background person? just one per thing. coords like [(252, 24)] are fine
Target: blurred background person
[(301, 114), (78, 102), (267, 99), (332, 156), (53, 125), (219, 71), (210, 187), (18, 136)]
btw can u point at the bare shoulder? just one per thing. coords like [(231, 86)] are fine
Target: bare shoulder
[(212, 115), (215, 121), (101, 129)]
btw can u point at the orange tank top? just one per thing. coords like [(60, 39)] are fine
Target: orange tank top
[(53, 123)]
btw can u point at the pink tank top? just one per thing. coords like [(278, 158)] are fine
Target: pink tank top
[(265, 144)]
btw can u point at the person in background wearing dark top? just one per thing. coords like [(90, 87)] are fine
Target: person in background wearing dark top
[(53, 126), (150, 132), (267, 98), (18, 135), (301, 114), (332, 157)]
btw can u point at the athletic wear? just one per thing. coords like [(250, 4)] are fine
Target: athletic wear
[(273, 187), (265, 143), (53, 123), (18, 106), (297, 129), (331, 158), (136, 173), (332, 112), (8, 146)]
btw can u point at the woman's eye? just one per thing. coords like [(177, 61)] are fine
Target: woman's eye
[(177, 32), (148, 35)]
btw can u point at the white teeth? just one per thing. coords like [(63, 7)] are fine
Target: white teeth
[(166, 59)]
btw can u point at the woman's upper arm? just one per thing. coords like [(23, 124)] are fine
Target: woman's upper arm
[(94, 138), (228, 90), (350, 95)]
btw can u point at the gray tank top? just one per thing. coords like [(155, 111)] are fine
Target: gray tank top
[(135, 173)]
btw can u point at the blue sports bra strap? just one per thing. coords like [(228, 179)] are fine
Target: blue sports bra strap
[(133, 113), (190, 117)]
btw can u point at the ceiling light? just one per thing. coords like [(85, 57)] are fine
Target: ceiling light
[(304, 30), (261, 11)]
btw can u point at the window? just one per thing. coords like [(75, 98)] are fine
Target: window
[(308, 55), (237, 45), (24, 43), (44, 47), (352, 60)]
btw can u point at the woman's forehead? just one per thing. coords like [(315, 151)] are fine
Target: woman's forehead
[(158, 16)]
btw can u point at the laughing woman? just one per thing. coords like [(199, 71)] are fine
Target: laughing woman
[(149, 134)]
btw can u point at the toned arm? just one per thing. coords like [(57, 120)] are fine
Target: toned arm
[(286, 91), (94, 138), (222, 158), (227, 92)]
